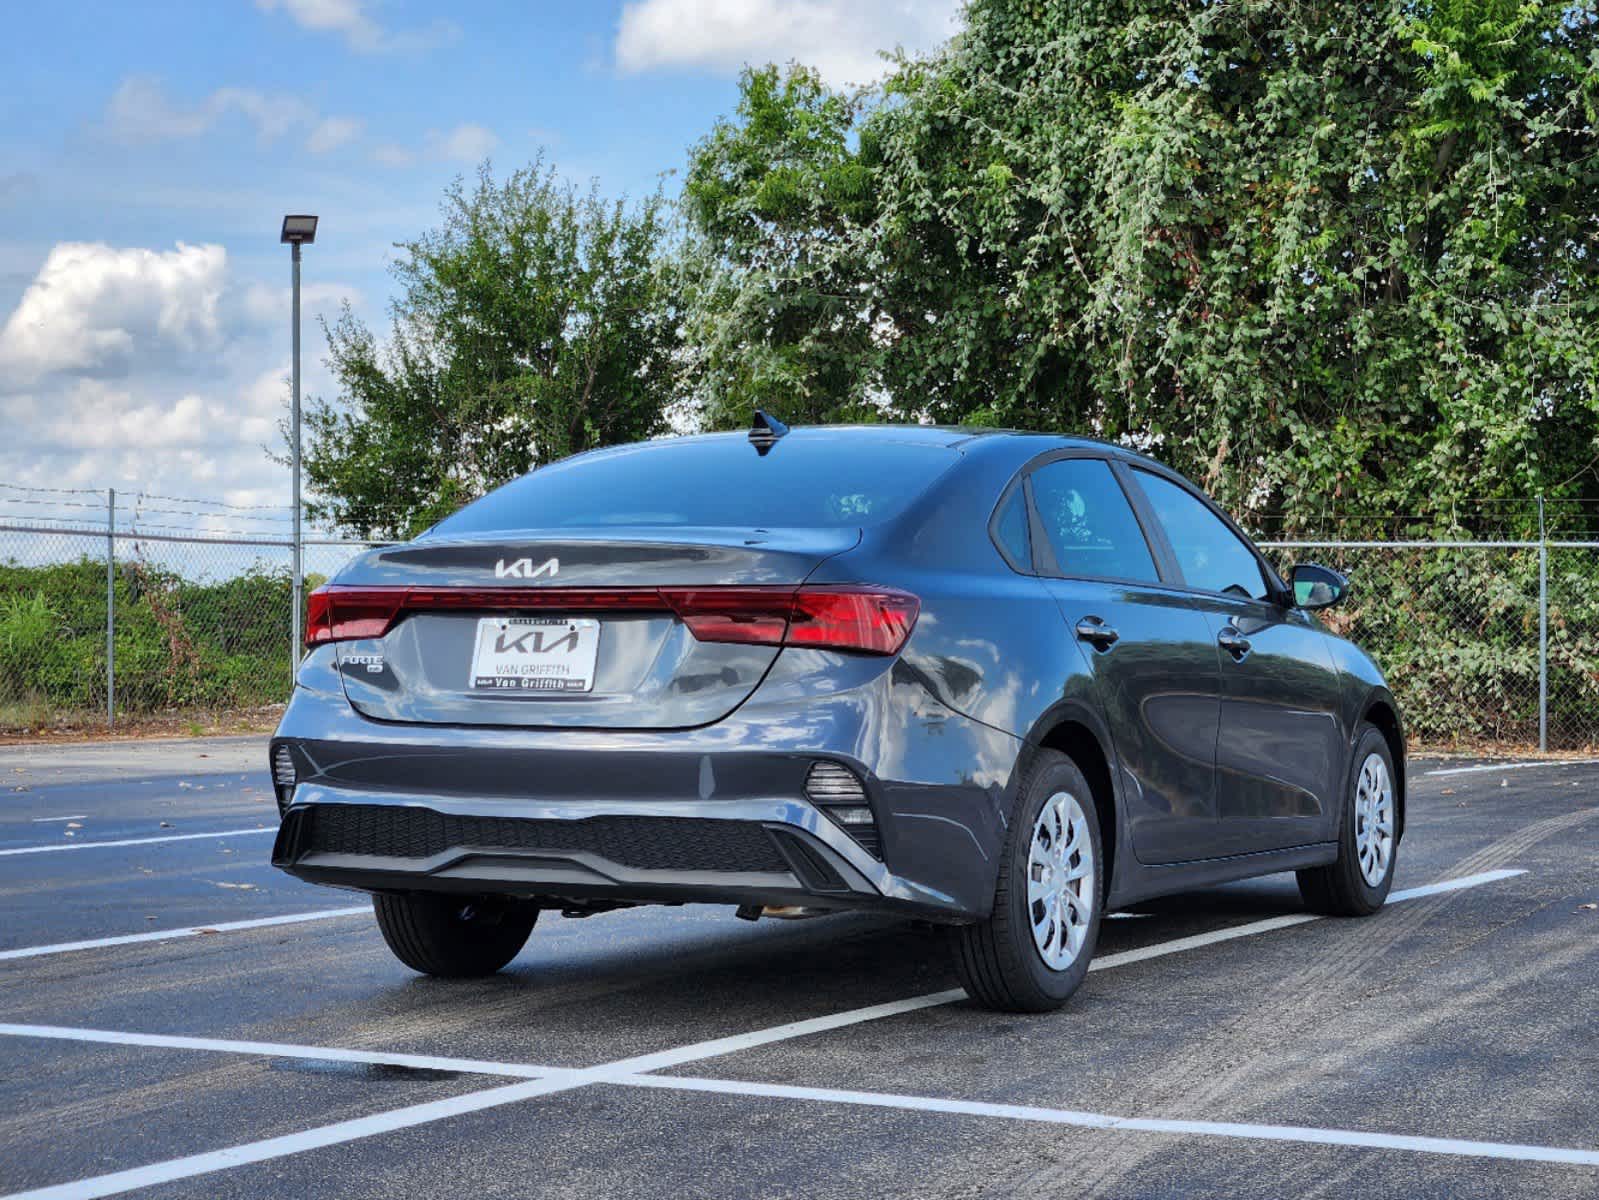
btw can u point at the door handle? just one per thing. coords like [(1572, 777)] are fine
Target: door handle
[(1096, 633), (1235, 643)]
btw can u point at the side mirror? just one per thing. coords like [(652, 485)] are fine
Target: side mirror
[(1317, 586)]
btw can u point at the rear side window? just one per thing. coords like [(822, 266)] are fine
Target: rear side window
[(1089, 522), (1212, 557), (1010, 530), (804, 481)]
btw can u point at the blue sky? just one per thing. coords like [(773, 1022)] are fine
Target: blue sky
[(148, 152)]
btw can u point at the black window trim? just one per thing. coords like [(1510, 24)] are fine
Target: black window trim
[(1017, 483), (1044, 562), (1278, 595)]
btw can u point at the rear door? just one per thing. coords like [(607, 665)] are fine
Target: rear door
[(1151, 652), (1279, 749)]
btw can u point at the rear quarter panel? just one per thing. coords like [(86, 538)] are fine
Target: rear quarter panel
[(990, 642), (989, 646)]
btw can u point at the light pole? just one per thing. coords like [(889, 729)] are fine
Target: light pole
[(297, 231)]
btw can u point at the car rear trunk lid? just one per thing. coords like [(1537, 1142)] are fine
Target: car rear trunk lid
[(561, 630)]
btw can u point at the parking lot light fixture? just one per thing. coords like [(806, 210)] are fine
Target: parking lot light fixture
[(298, 230)]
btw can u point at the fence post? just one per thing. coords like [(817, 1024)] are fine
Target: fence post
[(1543, 631), (111, 608)]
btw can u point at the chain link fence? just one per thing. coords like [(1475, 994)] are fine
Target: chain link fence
[(1488, 643), (97, 627)]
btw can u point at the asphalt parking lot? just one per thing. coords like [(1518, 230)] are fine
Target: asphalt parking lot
[(179, 1020)]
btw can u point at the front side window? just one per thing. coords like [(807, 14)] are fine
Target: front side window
[(1089, 522), (1211, 556)]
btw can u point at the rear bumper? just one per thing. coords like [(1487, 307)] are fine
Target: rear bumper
[(717, 814), (742, 852)]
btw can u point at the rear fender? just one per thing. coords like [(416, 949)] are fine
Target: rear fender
[(1061, 728)]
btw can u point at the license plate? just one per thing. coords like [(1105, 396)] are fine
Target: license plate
[(535, 654)]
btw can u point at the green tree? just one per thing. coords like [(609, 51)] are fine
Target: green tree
[(774, 317), (535, 322), (1314, 254)]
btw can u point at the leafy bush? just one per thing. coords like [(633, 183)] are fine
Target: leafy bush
[(179, 644), (1308, 254)]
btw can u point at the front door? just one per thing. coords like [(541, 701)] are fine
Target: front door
[(1279, 745)]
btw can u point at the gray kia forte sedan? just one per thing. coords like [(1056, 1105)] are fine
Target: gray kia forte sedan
[(999, 681)]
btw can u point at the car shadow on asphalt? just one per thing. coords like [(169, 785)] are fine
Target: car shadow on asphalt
[(685, 963)]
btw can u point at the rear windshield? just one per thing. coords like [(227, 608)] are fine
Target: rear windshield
[(801, 482)]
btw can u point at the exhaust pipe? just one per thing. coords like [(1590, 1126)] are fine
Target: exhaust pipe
[(780, 912)]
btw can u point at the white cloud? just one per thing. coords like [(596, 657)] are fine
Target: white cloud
[(392, 154), (150, 436), (466, 143), (840, 38), (94, 416), (140, 111), (91, 306), (351, 20), (152, 371), (332, 132), (265, 305)]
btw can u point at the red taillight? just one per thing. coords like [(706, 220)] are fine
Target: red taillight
[(874, 620), (755, 616), (339, 614), (870, 620)]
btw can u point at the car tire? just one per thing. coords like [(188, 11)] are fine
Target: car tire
[(1001, 961), (452, 936), (1356, 884)]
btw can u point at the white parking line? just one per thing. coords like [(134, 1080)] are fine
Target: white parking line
[(717, 1047), (1517, 766), (1087, 1120), (629, 1072), (1454, 885), (167, 1041), (746, 1041), (173, 837), (1286, 921), (164, 935), (293, 1143)]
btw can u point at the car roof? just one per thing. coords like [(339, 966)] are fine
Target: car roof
[(960, 436), (934, 435), (931, 435), (1017, 445)]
